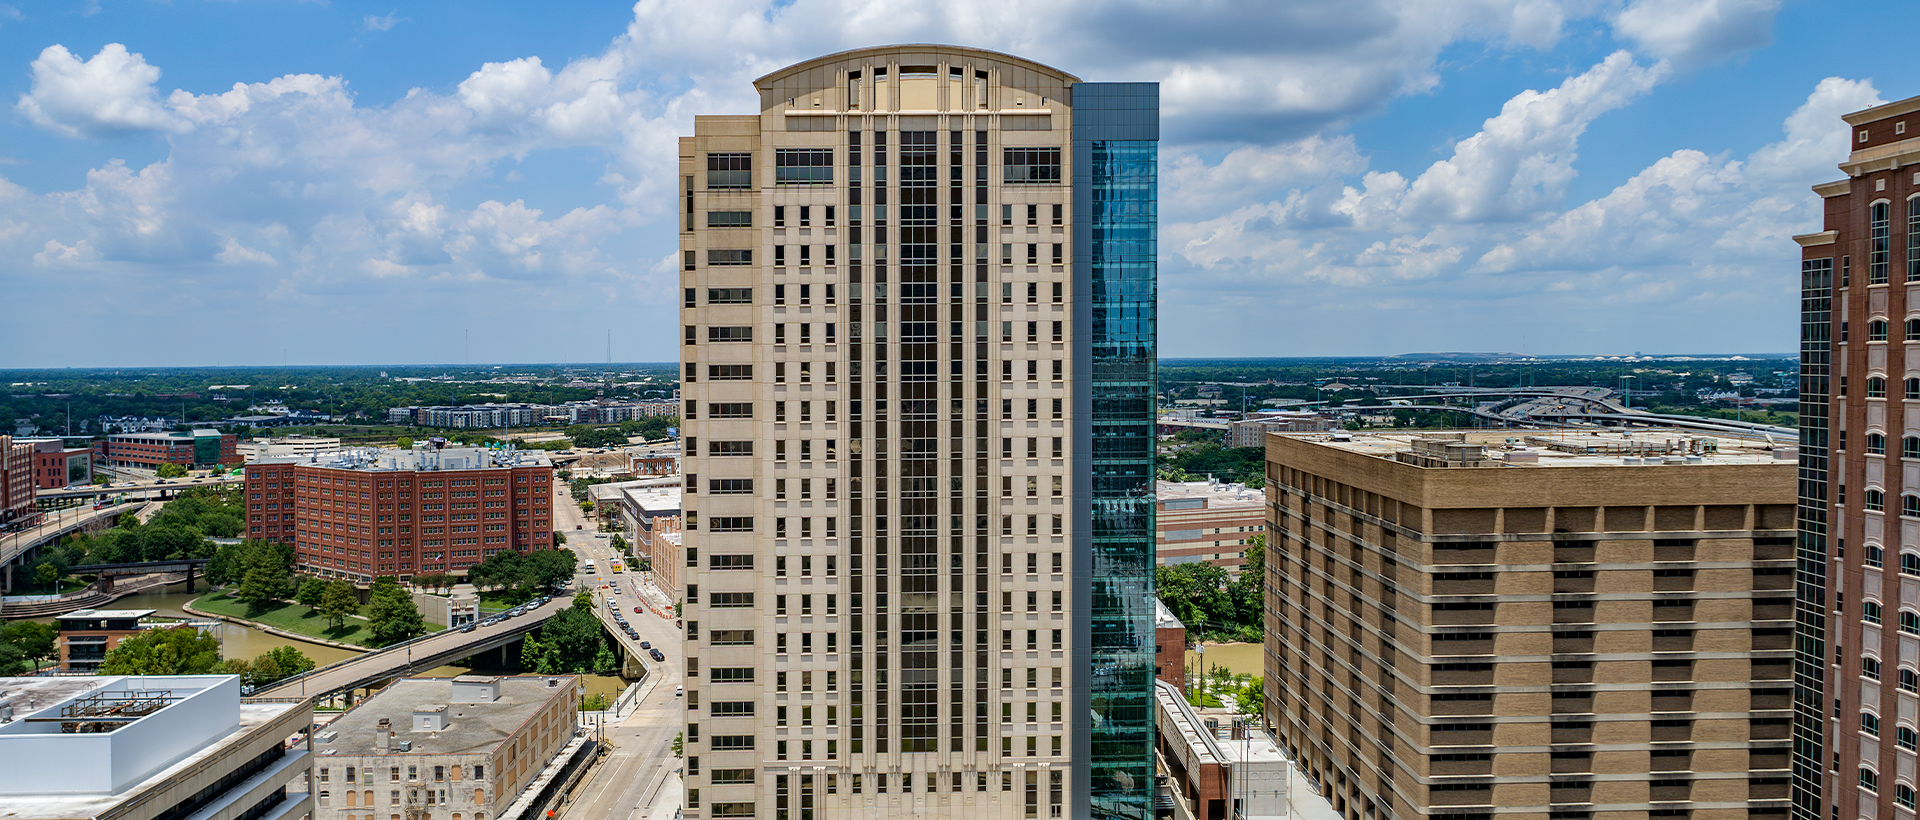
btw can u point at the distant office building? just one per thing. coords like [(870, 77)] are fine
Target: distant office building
[(255, 449), (17, 488), (57, 465), (1590, 624), (441, 748), (1252, 432), (153, 747), (1169, 647), (86, 635), (656, 464), (198, 448), (1219, 766), (1859, 550), (357, 514), (490, 416), (919, 364), (1206, 522), (652, 513)]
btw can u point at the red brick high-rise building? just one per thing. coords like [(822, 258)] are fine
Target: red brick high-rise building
[(1855, 729), (357, 514), (16, 482)]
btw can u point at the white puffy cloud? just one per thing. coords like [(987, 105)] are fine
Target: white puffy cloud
[(1522, 159), (1694, 32), (382, 22), (112, 92)]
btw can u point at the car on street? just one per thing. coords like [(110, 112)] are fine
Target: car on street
[(646, 644), (658, 656), (467, 628), (678, 691), (636, 610)]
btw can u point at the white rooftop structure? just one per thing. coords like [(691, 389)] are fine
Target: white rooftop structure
[(424, 457), (83, 747)]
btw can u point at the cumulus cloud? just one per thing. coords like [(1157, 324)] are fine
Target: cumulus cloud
[(1695, 32), (111, 93), (382, 22)]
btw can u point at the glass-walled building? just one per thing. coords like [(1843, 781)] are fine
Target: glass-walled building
[(918, 362)]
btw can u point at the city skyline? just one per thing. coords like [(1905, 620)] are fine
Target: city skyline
[(1587, 172)]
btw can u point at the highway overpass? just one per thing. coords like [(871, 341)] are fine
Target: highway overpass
[(418, 655)]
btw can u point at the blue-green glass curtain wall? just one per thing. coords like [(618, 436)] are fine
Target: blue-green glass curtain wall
[(1116, 132)]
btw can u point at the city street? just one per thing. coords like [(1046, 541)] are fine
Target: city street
[(640, 778)]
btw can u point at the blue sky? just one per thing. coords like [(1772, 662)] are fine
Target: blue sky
[(235, 182)]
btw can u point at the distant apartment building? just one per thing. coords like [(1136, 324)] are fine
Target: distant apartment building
[(17, 489), (432, 748), (152, 747), (656, 464), (1589, 625), (357, 514), (490, 416), (255, 449), (196, 448), (56, 465), (85, 636), (1857, 710), (1252, 432), (1207, 522)]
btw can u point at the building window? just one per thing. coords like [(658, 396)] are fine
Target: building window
[(733, 170), (1909, 622), (1870, 612), (729, 219), (734, 256), (1878, 246), (1877, 330), (1876, 444), (1031, 166), (1874, 555), (1876, 387), (1913, 246), (803, 166), (1876, 501), (1910, 505)]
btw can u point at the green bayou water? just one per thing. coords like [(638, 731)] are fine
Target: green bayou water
[(238, 641), (1239, 658)]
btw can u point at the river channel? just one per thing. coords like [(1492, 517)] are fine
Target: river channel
[(237, 641)]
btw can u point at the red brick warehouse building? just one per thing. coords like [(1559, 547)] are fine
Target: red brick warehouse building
[(358, 514)]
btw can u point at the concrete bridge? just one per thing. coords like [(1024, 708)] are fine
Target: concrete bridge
[(108, 572), (19, 547), (411, 657)]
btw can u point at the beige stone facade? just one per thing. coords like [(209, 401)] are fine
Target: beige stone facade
[(877, 446), (1485, 624), (442, 749)]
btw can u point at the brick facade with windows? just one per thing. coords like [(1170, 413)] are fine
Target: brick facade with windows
[(394, 512)]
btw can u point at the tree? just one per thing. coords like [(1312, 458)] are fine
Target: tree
[(170, 470), (180, 650), (227, 565), (571, 642), (559, 538), (338, 602), (267, 578), (280, 662), (392, 614), (551, 568), (33, 639), (311, 593), (46, 575)]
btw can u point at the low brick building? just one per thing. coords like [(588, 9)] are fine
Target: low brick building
[(87, 635), (196, 448), (1206, 521)]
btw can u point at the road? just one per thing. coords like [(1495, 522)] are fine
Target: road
[(641, 778), (433, 650)]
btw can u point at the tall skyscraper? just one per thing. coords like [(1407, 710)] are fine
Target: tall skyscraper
[(919, 317), (1857, 665), (1556, 627)]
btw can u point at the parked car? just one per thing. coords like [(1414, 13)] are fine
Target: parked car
[(658, 656), (646, 644)]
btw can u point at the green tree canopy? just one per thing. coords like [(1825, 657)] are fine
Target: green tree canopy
[(180, 650), (338, 602), (311, 592), (570, 642), (392, 614), (33, 639), (170, 470)]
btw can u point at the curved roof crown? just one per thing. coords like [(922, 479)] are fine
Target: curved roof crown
[(912, 49)]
